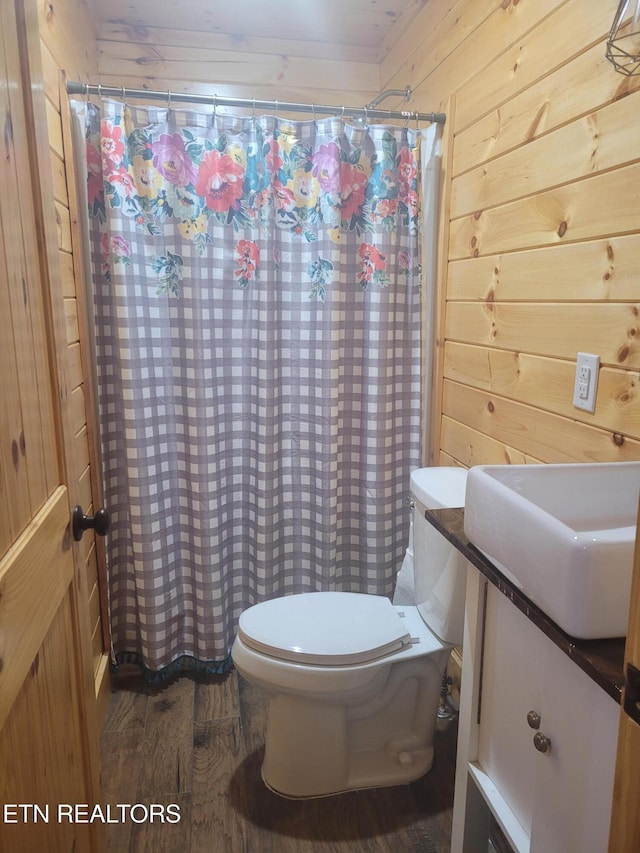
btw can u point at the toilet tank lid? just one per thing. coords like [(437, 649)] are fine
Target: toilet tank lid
[(439, 488), (324, 628)]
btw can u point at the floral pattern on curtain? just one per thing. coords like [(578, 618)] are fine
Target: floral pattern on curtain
[(257, 313)]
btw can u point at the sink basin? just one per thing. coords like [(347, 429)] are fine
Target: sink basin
[(564, 534)]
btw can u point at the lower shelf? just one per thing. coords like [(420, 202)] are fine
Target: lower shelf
[(515, 834)]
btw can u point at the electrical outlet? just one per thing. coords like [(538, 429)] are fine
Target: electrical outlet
[(586, 382)]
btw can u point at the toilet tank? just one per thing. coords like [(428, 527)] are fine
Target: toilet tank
[(440, 573)]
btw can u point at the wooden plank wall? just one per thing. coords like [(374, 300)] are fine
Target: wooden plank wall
[(68, 42), (541, 219), (231, 65)]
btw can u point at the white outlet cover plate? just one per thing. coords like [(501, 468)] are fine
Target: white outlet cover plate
[(586, 382)]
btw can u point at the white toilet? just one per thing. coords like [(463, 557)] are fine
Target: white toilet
[(354, 681)]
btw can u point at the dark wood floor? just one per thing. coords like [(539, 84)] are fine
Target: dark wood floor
[(198, 743)]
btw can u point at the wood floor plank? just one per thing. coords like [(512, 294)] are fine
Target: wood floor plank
[(159, 836), (218, 801), (121, 762), (216, 697), (168, 741), (127, 709)]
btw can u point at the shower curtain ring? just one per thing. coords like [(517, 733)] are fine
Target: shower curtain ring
[(169, 99), (276, 103), (99, 90)]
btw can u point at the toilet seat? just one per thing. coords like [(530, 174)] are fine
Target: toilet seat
[(324, 628)]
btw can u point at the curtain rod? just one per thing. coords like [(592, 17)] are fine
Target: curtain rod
[(251, 104)]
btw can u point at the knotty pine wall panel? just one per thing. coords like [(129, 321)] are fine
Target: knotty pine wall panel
[(597, 142), (555, 329), (455, 42), (548, 45), (59, 179), (575, 272), (468, 447), (527, 378), (604, 205), (78, 408), (532, 430), (541, 228), (581, 86)]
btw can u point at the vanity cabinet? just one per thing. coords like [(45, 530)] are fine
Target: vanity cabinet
[(551, 796)]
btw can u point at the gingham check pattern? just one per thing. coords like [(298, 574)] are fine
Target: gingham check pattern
[(256, 442)]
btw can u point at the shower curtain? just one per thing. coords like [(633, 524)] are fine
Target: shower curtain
[(256, 291)]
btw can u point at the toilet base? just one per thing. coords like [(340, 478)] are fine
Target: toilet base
[(317, 749), (421, 764), (369, 768)]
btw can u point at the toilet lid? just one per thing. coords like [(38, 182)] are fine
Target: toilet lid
[(324, 628)]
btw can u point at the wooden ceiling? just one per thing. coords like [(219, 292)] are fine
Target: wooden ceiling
[(369, 25)]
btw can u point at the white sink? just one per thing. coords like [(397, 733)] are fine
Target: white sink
[(564, 534)]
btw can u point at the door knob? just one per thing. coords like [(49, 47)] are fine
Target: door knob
[(80, 522)]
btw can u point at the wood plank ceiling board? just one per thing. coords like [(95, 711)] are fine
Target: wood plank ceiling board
[(362, 23)]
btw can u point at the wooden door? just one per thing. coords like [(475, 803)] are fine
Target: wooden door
[(625, 816), (48, 755)]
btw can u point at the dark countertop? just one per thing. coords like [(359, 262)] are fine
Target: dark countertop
[(602, 660)]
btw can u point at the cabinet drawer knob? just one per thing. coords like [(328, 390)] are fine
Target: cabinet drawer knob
[(541, 742), (533, 718)]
